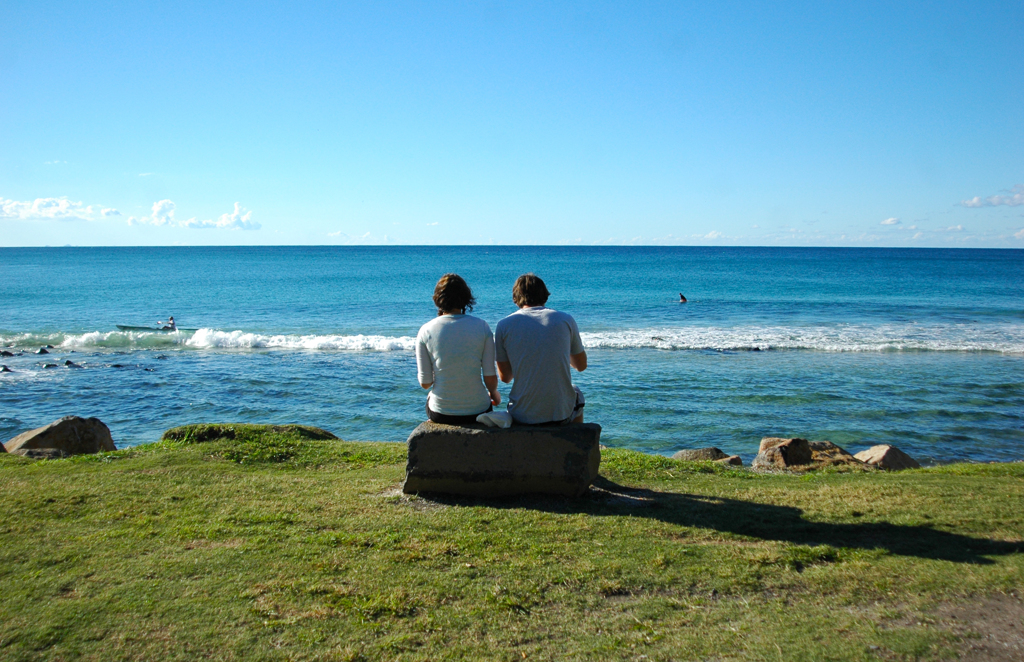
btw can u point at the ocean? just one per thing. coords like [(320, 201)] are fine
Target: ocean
[(920, 348)]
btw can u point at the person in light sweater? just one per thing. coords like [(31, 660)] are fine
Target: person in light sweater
[(453, 351)]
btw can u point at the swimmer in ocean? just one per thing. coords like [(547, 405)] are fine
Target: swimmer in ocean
[(682, 299), (172, 327)]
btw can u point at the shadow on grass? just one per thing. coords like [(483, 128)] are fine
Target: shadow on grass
[(756, 520)]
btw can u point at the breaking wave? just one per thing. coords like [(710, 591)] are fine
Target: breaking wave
[(1007, 339), (840, 338), (208, 338)]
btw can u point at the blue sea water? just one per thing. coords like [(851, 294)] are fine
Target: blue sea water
[(921, 348)]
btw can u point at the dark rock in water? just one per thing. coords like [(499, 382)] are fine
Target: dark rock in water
[(491, 462), (116, 365), (708, 454), (150, 369), (887, 457), (71, 364), (72, 435), (49, 365), (40, 453), (49, 347), (4, 368), (42, 350), (4, 352), (779, 453), (161, 358), (732, 460)]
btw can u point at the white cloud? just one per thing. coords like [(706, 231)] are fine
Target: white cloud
[(890, 221), (434, 223), (953, 228), (1019, 234), (365, 239), (239, 219), (110, 212), (163, 214), (1015, 199), (911, 227), (918, 235), (145, 174), (44, 209), (714, 234)]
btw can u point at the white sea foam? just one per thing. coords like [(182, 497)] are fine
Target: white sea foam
[(209, 338), (1005, 338), (842, 338)]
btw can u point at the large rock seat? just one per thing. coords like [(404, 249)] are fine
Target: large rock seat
[(490, 462)]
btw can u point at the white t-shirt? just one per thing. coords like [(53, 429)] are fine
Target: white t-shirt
[(537, 342), (451, 353)]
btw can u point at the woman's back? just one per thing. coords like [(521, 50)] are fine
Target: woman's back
[(456, 349)]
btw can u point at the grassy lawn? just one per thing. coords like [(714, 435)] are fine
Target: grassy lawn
[(283, 544)]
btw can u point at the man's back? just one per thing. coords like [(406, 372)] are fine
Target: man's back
[(537, 342)]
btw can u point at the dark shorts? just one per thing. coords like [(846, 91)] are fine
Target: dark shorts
[(453, 420), (577, 409)]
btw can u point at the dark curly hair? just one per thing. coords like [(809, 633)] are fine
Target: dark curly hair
[(452, 293), (530, 290)]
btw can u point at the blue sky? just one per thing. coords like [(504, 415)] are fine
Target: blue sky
[(889, 124)]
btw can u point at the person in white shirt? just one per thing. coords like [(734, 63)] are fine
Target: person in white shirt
[(453, 350), (535, 346)]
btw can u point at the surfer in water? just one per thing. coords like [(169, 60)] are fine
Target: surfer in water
[(682, 299), (171, 326)]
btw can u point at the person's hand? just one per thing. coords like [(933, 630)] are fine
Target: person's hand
[(495, 397)]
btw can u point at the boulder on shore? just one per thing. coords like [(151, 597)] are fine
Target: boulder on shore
[(71, 435), (732, 461), (40, 453), (802, 455), (827, 454), (489, 462), (887, 457), (709, 454), (781, 453)]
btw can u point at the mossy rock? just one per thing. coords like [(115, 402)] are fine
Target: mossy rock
[(246, 443), (200, 432)]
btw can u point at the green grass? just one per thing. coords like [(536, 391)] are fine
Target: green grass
[(282, 543)]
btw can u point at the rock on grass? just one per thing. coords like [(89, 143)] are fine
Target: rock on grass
[(887, 457)]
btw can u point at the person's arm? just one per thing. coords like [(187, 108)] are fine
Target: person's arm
[(424, 366), (577, 354), (500, 353), (487, 365), (491, 382)]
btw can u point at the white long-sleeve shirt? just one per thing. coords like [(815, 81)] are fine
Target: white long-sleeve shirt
[(452, 351)]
